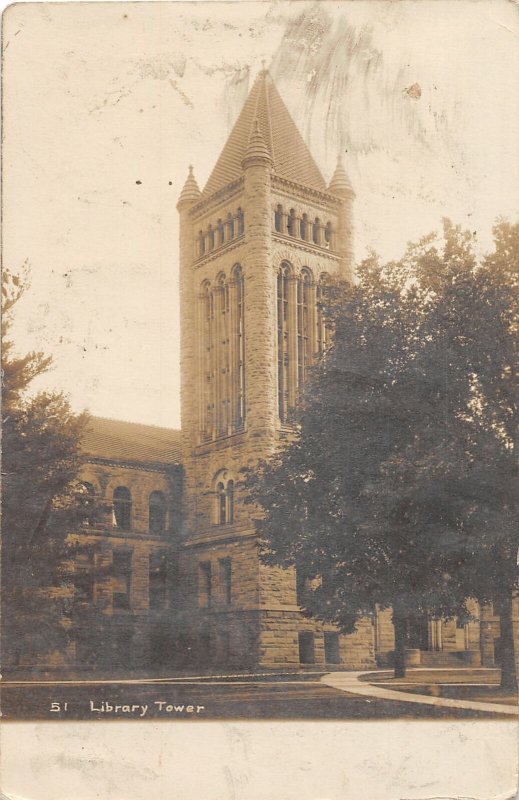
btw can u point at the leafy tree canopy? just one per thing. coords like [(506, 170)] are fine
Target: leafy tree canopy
[(399, 485), (42, 499)]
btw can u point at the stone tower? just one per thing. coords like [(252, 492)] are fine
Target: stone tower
[(256, 249)]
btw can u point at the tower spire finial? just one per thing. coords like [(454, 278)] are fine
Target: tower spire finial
[(190, 193)]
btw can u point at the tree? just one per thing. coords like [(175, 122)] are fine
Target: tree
[(42, 503), (384, 496)]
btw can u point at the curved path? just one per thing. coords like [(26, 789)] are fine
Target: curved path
[(350, 682)]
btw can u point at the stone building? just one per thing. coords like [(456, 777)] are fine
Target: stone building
[(257, 247)]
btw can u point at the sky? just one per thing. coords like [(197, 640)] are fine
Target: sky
[(106, 105)]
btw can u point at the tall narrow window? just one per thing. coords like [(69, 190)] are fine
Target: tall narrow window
[(238, 350), (296, 334), (230, 225), (122, 503), (304, 226), (241, 221), (278, 218), (205, 585), (221, 497), (122, 578), (328, 235), (284, 340), (84, 581), (304, 331), (86, 497), (291, 223), (306, 647), (201, 243), (222, 365), (316, 231), (222, 356), (158, 580), (210, 238), (157, 512), (221, 232), (207, 356), (321, 327), (331, 648), (226, 580), (224, 497)]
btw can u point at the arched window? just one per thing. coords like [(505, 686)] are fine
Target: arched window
[(321, 327), (157, 512), (224, 496), (207, 358), (316, 231), (222, 354), (278, 219), (238, 350), (304, 227), (230, 225), (221, 232), (284, 340), (291, 223), (221, 503), (328, 235), (241, 222), (122, 502), (296, 334), (86, 502), (210, 237), (304, 325), (201, 243)]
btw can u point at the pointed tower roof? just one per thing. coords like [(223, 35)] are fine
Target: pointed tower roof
[(190, 192), (291, 158), (340, 183)]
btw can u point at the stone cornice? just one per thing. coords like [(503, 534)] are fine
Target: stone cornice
[(307, 247), (291, 189), (222, 249), (221, 197), (114, 535), (226, 534), (140, 466)]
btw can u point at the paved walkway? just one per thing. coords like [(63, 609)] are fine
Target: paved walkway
[(351, 682)]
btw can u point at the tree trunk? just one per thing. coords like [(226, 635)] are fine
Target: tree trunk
[(400, 626), (508, 668)]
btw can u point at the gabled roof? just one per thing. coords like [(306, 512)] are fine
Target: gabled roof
[(115, 440), (291, 157)]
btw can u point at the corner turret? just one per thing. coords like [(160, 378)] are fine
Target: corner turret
[(341, 187)]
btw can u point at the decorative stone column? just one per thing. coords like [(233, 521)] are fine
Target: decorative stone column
[(260, 291), (190, 388)]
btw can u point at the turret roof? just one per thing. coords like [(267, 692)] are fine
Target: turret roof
[(291, 158), (190, 191), (340, 183)]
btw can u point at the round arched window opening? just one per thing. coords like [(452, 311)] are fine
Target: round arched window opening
[(122, 503)]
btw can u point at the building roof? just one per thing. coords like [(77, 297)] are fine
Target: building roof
[(115, 440), (291, 158)]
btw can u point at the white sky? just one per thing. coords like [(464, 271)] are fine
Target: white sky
[(101, 95)]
